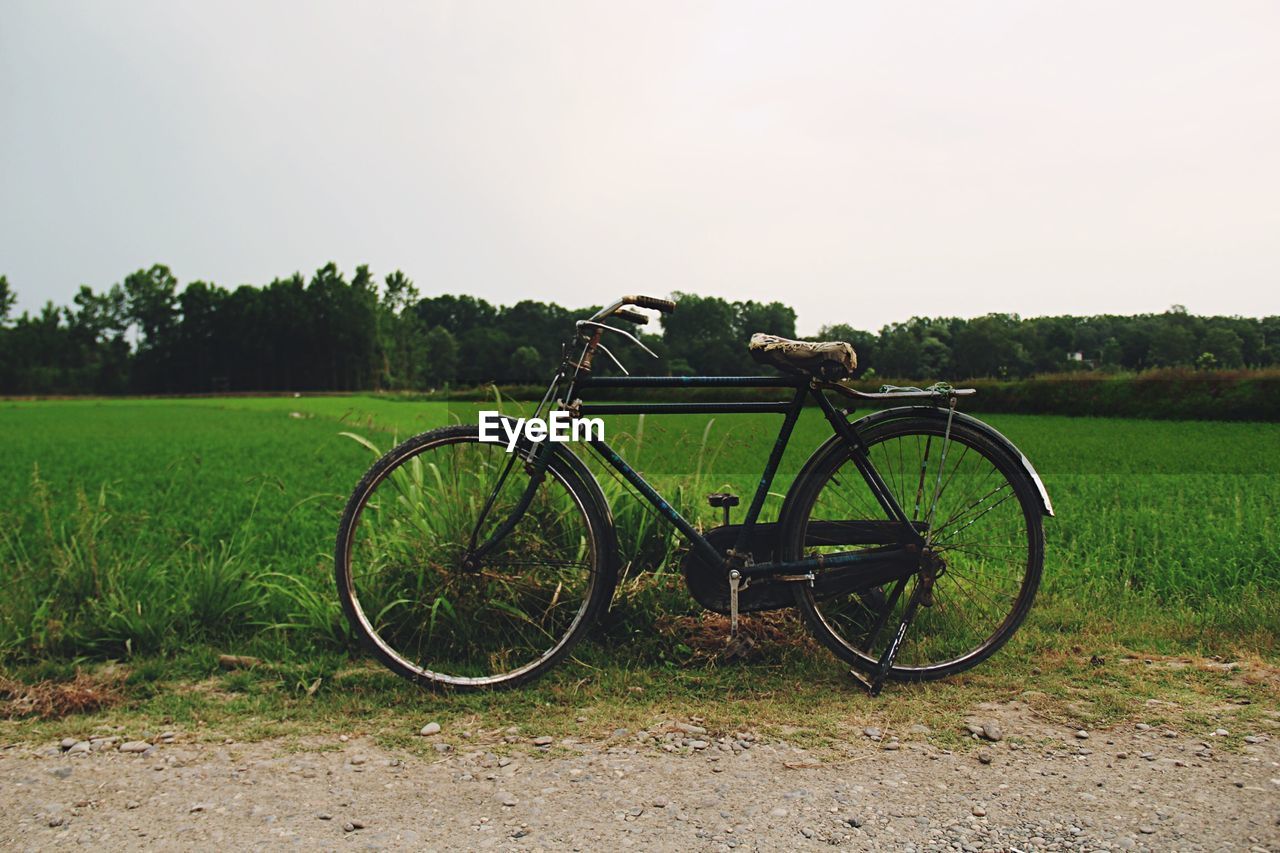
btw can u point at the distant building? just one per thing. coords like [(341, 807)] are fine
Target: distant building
[(1075, 356)]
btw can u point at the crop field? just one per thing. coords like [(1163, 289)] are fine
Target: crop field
[(174, 530)]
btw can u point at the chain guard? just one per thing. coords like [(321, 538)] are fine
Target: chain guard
[(709, 584)]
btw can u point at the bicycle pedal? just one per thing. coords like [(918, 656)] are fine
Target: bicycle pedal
[(739, 647), (872, 686), (723, 500)]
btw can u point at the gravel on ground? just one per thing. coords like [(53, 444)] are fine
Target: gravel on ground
[(1024, 785)]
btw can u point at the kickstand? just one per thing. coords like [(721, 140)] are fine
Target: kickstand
[(873, 684)]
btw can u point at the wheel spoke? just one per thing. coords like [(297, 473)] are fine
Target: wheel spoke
[(429, 613), (990, 561)]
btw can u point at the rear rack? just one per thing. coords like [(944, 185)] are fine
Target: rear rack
[(938, 391)]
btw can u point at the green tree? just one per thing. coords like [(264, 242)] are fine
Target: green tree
[(988, 346), (152, 304), (703, 332), (1172, 345), (7, 298), (1225, 345), (440, 357), (525, 364)]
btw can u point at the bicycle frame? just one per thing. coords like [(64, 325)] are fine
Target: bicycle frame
[(902, 545), (908, 537)]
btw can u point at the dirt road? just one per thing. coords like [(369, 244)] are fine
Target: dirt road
[(1020, 784)]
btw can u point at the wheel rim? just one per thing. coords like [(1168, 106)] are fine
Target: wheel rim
[(440, 620), (982, 533)]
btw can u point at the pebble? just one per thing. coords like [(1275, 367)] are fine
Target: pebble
[(873, 732), (343, 738), (443, 747), (1142, 727), (919, 729), (985, 756), (68, 742), (135, 746), (324, 816), (430, 729), (690, 729), (1147, 830), (506, 799), (57, 820), (1220, 732), (992, 732), (698, 744), (357, 759), (81, 748), (978, 811), (543, 740), (1082, 734), (892, 745), (1253, 739)]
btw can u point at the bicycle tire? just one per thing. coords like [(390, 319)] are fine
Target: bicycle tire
[(577, 506), (837, 622)]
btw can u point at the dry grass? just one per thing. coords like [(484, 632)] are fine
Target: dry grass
[(53, 700), (761, 636)]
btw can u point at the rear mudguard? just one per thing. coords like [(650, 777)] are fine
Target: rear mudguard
[(934, 413)]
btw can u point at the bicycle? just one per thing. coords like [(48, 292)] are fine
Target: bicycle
[(911, 541)]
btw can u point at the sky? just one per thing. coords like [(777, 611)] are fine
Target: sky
[(862, 162)]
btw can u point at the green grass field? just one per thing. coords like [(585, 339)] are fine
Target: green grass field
[(165, 531)]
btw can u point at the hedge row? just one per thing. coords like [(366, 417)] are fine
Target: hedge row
[(1241, 395)]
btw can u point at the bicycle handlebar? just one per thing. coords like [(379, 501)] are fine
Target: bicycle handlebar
[(631, 316), (666, 306)]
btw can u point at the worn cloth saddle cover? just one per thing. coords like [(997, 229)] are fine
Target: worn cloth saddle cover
[(825, 359)]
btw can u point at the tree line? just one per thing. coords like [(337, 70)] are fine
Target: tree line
[(329, 332)]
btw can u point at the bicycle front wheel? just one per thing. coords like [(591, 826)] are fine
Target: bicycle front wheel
[(437, 617), (980, 513)]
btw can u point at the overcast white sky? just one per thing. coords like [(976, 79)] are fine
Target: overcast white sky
[(861, 162)]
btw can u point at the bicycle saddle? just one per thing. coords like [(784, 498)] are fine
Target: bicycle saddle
[(829, 360)]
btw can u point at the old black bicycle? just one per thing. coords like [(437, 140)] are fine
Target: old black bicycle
[(911, 541)]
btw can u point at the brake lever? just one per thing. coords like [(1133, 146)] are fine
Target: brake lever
[(625, 334)]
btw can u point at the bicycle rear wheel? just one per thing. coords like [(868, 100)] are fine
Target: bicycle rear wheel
[(424, 609), (987, 532)]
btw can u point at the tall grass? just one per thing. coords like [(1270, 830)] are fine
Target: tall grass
[(141, 527)]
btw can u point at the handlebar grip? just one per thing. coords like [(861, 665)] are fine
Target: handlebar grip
[(666, 306), (631, 316)]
